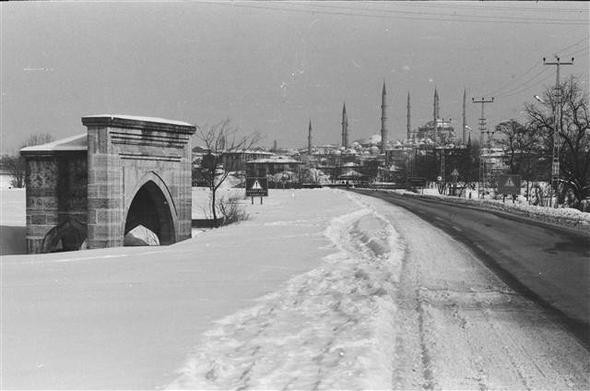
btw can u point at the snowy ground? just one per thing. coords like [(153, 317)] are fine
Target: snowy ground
[(128, 317), (328, 328), (321, 289), (389, 310)]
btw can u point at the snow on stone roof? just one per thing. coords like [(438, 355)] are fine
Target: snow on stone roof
[(374, 139), (74, 143), (250, 151), (138, 118), (276, 159)]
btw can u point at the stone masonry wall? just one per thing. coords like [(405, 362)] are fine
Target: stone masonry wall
[(105, 191), (56, 194)]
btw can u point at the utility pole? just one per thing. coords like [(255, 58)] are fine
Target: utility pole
[(443, 179), (557, 119), (482, 130), (464, 139)]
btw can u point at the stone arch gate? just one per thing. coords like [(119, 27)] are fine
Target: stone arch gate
[(91, 189)]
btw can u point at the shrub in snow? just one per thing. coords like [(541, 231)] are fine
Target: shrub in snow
[(231, 210)]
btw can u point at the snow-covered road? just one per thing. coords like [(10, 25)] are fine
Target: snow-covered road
[(401, 305), (460, 327)]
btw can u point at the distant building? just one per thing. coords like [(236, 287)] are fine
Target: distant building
[(236, 160), (439, 131), (273, 165)]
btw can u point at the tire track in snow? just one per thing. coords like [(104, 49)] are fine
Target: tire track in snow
[(460, 327), (410, 371), (328, 328)]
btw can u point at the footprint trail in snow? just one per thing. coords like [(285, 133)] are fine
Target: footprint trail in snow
[(328, 328)]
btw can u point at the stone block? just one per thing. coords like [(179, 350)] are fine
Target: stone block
[(38, 219), (38, 230), (34, 245)]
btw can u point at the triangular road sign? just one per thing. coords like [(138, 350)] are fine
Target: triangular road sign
[(256, 185), (509, 182)]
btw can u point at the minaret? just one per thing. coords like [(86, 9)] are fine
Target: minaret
[(436, 112), (408, 126), (384, 134), (309, 140), (344, 127), (464, 115), (436, 115)]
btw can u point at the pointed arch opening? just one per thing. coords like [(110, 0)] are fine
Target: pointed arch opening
[(70, 235), (151, 209)]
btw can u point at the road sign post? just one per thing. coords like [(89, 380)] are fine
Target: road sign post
[(455, 176), (509, 184), (256, 187), (417, 182)]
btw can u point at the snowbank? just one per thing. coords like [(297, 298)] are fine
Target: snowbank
[(328, 328), (567, 217)]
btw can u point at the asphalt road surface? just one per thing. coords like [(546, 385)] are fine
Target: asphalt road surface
[(544, 263)]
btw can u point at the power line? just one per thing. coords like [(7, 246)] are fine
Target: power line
[(525, 85), (515, 89), (272, 7), (511, 82), (526, 88), (438, 14), (575, 44), (486, 6), (518, 86), (584, 49)]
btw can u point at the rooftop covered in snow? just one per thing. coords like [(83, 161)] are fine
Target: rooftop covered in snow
[(276, 160), (137, 122), (68, 144)]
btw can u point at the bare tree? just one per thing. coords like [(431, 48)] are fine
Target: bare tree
[(522, 145), (573, 138), (220, 139), (16, 165), (512, 136)]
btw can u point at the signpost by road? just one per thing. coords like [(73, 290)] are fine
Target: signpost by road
[(417, 182), (509, 184), (256, 187), (455, 176)]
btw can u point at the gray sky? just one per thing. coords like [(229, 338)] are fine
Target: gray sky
[(270, 67)]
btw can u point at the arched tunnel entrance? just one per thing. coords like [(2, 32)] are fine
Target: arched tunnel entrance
[(151, 209)]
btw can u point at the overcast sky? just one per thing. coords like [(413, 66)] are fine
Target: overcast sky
[(270, 67)]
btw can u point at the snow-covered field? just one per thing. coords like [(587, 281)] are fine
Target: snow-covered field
[(320, 289), (128, 317)]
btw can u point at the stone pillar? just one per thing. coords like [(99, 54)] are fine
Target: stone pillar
[(105, 190)]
